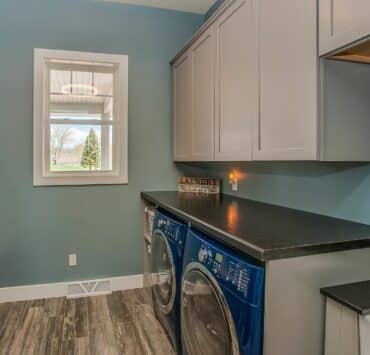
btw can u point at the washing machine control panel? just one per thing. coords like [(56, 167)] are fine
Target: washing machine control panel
[(232, 272), (171, 229)]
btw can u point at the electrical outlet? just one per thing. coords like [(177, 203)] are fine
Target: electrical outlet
[(233, 180), (72, 260)]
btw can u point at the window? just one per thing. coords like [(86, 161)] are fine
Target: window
[(80, 118)]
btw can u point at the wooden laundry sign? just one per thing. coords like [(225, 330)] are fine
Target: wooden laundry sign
[(199, 185)]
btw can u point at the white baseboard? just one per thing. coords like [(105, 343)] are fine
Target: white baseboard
[(59, 289), (126, 282)]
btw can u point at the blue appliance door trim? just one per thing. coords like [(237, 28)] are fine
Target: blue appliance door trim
[(197, 267), (166, 309)]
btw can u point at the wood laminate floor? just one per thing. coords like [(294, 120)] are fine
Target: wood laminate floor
[(120, 323)]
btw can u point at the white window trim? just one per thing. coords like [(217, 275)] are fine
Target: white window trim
[(120, 164)]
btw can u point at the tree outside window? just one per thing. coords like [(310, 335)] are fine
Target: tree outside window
[(91, 152)]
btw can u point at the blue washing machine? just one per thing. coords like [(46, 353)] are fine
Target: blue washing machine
[(168, 243), (222, 301)]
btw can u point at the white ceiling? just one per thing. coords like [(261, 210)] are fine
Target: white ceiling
[(196, 6)]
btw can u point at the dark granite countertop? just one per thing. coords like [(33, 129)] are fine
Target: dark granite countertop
[(261, 230), (355, 296)]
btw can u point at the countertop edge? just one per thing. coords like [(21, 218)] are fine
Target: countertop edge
[(345, 303), (329, 292)]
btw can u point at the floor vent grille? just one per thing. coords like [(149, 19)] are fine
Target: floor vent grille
[(88, 288)]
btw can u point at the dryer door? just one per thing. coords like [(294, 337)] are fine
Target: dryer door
[(163, 272), (206, 321)]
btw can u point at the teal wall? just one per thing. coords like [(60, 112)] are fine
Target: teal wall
[(102, 224), (335, 189)]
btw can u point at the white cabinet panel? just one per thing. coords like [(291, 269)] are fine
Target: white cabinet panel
[(342, 22), (341, 330), (203, 58), (236, 82), (182, 78), (287, 125)]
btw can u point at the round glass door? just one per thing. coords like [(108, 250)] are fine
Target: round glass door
[(163, 273), (206, 323)]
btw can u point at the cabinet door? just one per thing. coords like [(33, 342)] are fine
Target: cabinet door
[(183, 111), (287, 125), (203, 83), (342, 22), (236, 82)]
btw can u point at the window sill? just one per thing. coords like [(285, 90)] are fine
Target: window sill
[(79, 181)]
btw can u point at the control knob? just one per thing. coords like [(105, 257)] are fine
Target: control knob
[(202, 255)]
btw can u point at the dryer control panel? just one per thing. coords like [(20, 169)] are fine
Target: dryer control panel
[(230, 271), (239, 276)]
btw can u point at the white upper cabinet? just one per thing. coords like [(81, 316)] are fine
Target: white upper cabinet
[(250, 85), (286, 128), (342, 22), (236, 82), (203, 98), (183, 110)]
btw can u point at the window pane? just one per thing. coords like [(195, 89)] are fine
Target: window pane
[(80, 107), (78, 92), (103, 83), (82, 83), (60, 81), (76, 147)]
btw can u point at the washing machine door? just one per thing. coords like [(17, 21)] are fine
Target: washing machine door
[(206, 322), (163, 272)]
